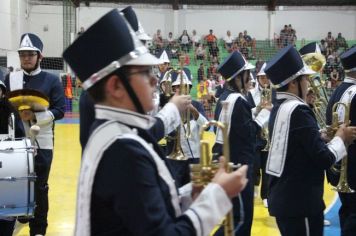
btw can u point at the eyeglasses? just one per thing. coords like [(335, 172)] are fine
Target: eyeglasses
[(27, 54), (146, 72)]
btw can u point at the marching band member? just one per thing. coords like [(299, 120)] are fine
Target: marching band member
[(262, 86), (298, 156), (31, 76), (242, 129), (124, 180), (86, 105), (347, 212), (190, 146)]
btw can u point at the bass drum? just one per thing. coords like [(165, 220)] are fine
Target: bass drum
[(17, 178)]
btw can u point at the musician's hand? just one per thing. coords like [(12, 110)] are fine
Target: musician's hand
[(196, 190), (194, 111), (347, 134), (181, 101), (267, 106), (27, 115), (324, 135), (233, 183)]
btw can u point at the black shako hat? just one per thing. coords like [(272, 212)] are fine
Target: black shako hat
[(310, 48), (348, 59), (104, 47), (131, 17), (233, 65), (286, 66)]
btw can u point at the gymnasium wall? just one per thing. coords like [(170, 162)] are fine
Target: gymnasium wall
[(311, 23)]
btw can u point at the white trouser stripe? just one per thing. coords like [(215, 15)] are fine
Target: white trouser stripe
[(307, 230)]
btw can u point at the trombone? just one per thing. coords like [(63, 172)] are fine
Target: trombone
[(343, 185), (203, 173)]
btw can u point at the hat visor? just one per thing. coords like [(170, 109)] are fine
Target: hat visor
[(249, 66), (307, 71), (146, 59), (28, 49), (144, 36)]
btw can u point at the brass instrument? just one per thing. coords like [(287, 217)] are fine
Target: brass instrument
[(202, 173), (166, 85), (177, 153), (316, 62), (343, 185), (184, 89), (266, 98)]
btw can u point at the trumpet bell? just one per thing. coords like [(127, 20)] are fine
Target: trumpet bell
[(314, 61), (178, 156)]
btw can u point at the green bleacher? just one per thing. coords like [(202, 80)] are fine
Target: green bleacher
[(265, 48)]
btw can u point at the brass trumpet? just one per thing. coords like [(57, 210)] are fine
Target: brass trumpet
[(343, 185), (266, 98), (202, 173), (177, 153)]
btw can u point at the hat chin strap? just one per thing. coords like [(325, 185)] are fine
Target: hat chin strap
[(300, 92), (132, 94)]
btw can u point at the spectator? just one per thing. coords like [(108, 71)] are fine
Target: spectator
[(170, 40), (210, 39), (340, 42), (334, 78), (247, 38), (158, 41), (214, 52), (240, 39), (228, 41), (323, 46), (200, 53), (284, 36), (244, 50), (184, 40), (200, 73), (235, 47), (331, 43), (195, 39)]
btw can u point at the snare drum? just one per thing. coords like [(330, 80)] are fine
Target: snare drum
[(17, 178)]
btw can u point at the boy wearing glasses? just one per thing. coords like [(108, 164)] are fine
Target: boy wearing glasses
[(32, 77)]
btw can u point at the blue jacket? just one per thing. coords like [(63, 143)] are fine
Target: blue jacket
[(299, 190)]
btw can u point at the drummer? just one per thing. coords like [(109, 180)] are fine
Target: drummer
[(33, 77)]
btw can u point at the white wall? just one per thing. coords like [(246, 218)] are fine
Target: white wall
[(47, 22), (315, 24), (311, 23)]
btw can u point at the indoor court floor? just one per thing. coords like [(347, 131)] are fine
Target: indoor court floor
[(63, 182)]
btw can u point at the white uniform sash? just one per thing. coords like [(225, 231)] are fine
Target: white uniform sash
[(225, 116), (16, 80), (101, 139), (279, 141)]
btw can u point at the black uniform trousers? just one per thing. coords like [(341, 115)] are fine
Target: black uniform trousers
[(6, 227), (38, 224), (301, 226), (260, 174), (347, 214)]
